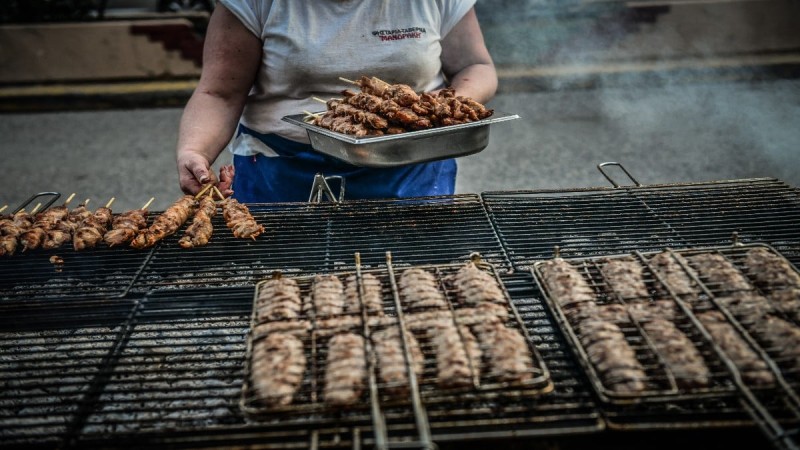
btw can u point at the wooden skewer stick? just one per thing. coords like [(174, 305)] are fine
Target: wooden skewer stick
[(148, 203), (348, 81), (203, 191), (221, 197), (36, 208), (69, 199), (3, 208), (85, 203), (319, 100), (108, 205)]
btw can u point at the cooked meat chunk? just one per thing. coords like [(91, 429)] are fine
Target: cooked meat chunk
[(327, 294), (483, 313), (295, 327), (625, 278), (752, 368), (238, 218), (667, 265), (719, 274), (770, 271), (475, 286), (652, 310), (392, 363), (345, 370), (429, 320), (612, 356), (91, 229), (612, 312), (278, 363), (507, 354), (199, 232), (45, 221), (679, 353), (166, 224), (371, 296), (278, 299), (565, 283), (332, 325), (419, 289), (747, 306), (452, 361), (782, 338), (125, 227)]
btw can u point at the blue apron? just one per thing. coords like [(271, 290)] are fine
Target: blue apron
[(290, 176)]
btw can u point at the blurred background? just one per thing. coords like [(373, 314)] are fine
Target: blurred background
[(91, 93)]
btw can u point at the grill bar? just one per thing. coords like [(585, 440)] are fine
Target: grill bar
[(599, 221)]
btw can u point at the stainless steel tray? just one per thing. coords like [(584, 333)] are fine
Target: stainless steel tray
[(405, 148)]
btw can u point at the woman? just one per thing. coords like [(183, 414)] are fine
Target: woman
[(267, 59)]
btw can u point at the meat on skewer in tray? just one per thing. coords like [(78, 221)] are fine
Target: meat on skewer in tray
[(382, 108)]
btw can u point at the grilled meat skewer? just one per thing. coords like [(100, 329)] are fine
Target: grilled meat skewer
[(278, 299), (91, 229), (199, 231), (44, 221), (392, 366), (278, 364), (327, 294), (371, 299), (346, 370), (239, 220), (166, 224), (125, 227), (11, 228), (420, 289)]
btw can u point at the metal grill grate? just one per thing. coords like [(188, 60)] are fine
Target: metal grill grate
[(769, 404), (592, 222), (51, 361), (488, 387), (303, 239), (172, 371), (102, 273)]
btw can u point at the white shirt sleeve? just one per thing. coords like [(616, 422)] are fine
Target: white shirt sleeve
[(252, 13), (452, 12)]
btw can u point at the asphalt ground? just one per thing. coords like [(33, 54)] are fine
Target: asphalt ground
[(662, 133)]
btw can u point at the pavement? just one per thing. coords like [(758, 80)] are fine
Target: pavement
[(641, 91)]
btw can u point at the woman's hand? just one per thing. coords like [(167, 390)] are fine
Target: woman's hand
[(194, 171)]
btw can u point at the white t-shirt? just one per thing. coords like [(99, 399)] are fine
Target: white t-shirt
[(309, 44)]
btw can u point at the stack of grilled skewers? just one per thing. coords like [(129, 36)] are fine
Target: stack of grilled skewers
[(86, 229), (381, 108)]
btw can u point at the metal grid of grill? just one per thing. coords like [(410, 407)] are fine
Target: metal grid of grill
[(487, 384), (51, 361), (102, 273), (303, 239), (599, 221), (171, 368), (716, 285)]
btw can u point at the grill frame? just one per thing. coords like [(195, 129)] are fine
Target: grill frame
[(666, 207)]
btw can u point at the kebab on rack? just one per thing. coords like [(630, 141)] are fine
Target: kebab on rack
[(382, 108), (127, 225)]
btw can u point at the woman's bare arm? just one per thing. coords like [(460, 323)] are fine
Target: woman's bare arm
[(231, 57), (466, 61)]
